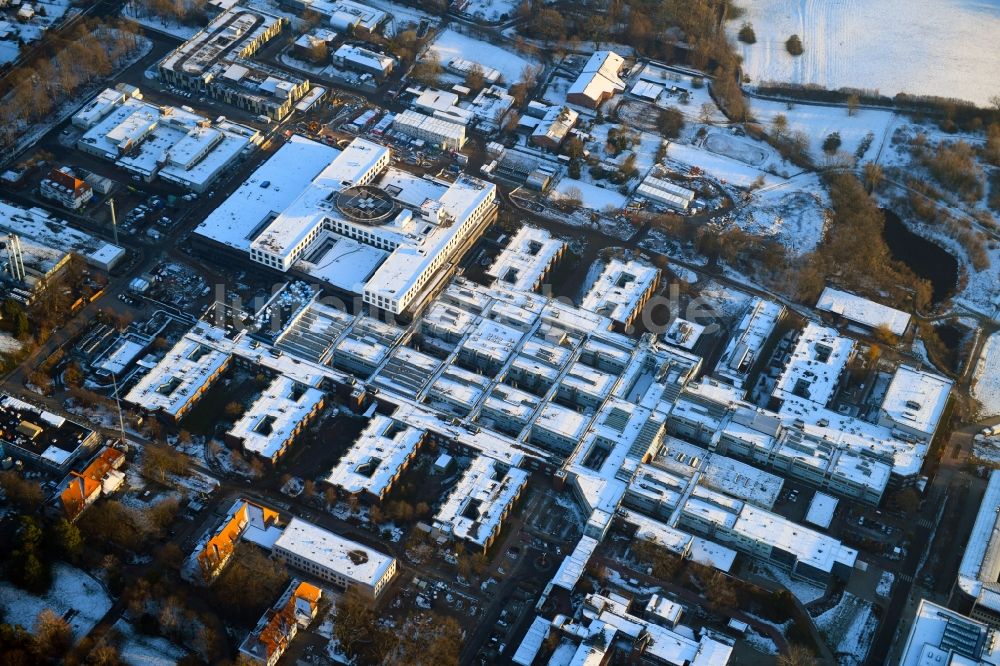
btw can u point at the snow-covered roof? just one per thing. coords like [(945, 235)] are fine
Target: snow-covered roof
[(37, 225), (814, 369), (238, 220), (377, 457), (275, 416), (532, 641), (821, 509), (480, 500), (599, 76), (915, 400), (980, 567), (574, 564), (817, 550), (352, 560), (527, 258), (863, 311), (365, 58), (619, 290), (186, 370), (747, 340), (942, 636)]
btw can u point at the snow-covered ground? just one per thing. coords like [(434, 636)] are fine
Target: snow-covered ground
[(726, 169), (72, 590), (450, 44), (986, 383), (140, 650), (593, 197), (9, 345), (848, 629), (793, 213), (817, 122), (922, 47), (803, 591), (47, 14), (760, 642), (488, 10), (727, 301)]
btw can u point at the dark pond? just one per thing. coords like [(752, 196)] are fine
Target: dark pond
[(925, 258)]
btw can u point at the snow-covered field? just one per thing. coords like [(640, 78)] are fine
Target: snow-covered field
[(489, 10), (139, 650), (450, 45), (72, 590), (986, 384), (593, 197), (922, 47), (794, 217), (724, 168), (817, 122), (9, 345)]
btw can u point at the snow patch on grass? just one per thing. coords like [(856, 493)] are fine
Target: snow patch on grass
[(73, 592)]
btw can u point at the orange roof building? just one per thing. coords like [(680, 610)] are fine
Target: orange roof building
[(100, 476), (215, 554), (295, 609)]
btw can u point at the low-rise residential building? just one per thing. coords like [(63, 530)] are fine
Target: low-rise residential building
[(276, 418), (914, 403), (376, 460), (476, 508), (621, 291), (63, 187), (246, 521), (526, 261), (294, 610), (333, 558), (361, 59), (599, 81), (100, 478)]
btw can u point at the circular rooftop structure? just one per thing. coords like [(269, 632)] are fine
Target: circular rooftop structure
[(366, 204)]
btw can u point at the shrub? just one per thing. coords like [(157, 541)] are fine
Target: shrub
[(832, 143), (747, 35), (794, 45)]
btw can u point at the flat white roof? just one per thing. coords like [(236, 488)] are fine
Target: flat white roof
[(818, 359), (863, 311), (809, 547), (526, 259), (479, 500), (37, 225), (747, 341), (821, 509), (238, 220), (275, 415), (620, 287), (916, 399), (350, 559), (376, 457)]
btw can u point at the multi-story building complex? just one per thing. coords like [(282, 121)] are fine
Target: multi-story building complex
[(438, 132), (216, 62), (152, 141), (621, 290), (479, 503), (276, 418), (376, 460), (942, 636), (349, 219), (527, 259)]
